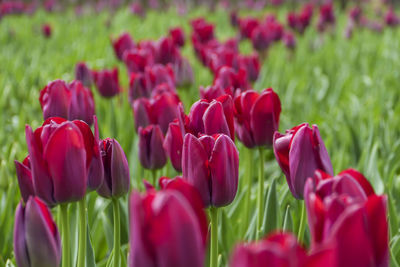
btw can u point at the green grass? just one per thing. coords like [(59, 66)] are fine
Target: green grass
[(350, 88)]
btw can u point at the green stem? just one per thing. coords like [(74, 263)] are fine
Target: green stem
[(302, 226), (66, 258), (82, 233), (117, 233), (249, 177), (214, 237), (154, 172), (260, 193)]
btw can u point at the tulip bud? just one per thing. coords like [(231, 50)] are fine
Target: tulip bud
[(178, 36), (257, 117), (64, 159), (346, 203), (212, 92), (107, 82), (211, 164), (82, 103), (83, 74), (173, 143), (46, 29), (151, 152), (136, 60), (122, 44), (177, 242), (24, 176), (229, 79), (36, 238), (116, 170), (251, 64), (300, 152)]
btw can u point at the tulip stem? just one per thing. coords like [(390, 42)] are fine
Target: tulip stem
[(154, 172), (249, 177), (82, 232), (66, 260), (117, 232), (302, 226), (260, 193), (214, 237)]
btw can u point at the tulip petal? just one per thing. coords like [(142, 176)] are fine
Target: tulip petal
[(20, 249), (141, 112), (214, 119), (25, 182), (173, 143), (119, 171)]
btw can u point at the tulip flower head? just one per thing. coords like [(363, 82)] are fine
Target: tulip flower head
[(151, 151), (46, 29), (300, 152), (107, 82), (122, 44), (83, 74), (36, 238), (178, 36)]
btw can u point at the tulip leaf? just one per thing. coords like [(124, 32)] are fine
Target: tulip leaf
[(90, 259), (287, 221), (271, 213), (393, 222)]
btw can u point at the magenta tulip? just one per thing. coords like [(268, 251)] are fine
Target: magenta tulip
[(210, 163), (300, 152), (122, 44), (151, 152), (178, 36), (136, 60), (116, 170), (164, 231), (257, 117), (24, 176), (234, 81), (46, 30), (83, 74), (202, 30), (36, 238), (251, 64), (107, 82)]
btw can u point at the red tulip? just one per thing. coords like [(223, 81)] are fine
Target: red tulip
[(251, 64), (345, 214), (122, 44), (151, 152), (391, 19), (178, 36), (289, 40), (247, 26), (202, 30), (300, 152), (210, 163), (136, 60), (36, 238), (116, 170), (107, 82), (64, 160), (212, 92), (46, 29), (183, 72), (229, 79), (164, 231), (326, 17), (257, 117), (83, 74), (24, 176)]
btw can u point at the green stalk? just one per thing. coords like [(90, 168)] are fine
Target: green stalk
[(82, 232), (117, 232), (66, 258), (260, 193), (214, 237), (154, 172), (302, 227), (249, 178)]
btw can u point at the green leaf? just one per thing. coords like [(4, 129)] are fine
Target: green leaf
[(90, 259), (271, 213)]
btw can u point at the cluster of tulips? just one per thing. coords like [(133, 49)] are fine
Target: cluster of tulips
[(168, 223)]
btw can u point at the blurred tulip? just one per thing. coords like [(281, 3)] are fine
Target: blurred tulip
[(136, 60), (247, 26), (70, 101), (122, 44), (151, 152), (326, 17), (107, 82), (289, 40), (345, 214), (137, 9), (257, 117), (36, 238), (229, 79), (300, 22), (160, 109), (164, 231), (173, 143), (24, 176), (300, 152), (210, 163), (391, 19), (83, 74), (212, 92), (64, 160), (46, 29), (178, 36), (202, 30), (116, 170), (251, 64), (183, 72)]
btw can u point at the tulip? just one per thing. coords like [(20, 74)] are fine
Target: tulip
[(161, 110), (222, 56), (178, 36), (107, 82), (64, 160), (300, 152), (46, 29), (192, 196), (289, 40), (346, 203), (83, 74), (166, 51), (229, 79), (173, 143), (251, 64), (177, 242), (116, 170), (151, 152), (183, 72), (212, 92), (257, 117), (391, 19), (122, 44), (202, 31), (136, 60), (326, 17), (247, 26), (24, 176), (36, 238)]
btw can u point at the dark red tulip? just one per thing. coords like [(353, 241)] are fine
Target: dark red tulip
[(355, 14), (164, 231), (83, 74), (178, 36), (173, 143), (221, 57), (107, 82), (70, 101), (122, 44), (36, 238), (229, 79), (160, 109), (64, 160), (159, 74), (257, 117), (166, 51), (391, 19), (345, 214), (202, 30), (46, 29), (289, 40), (151, 152), (300, 152), (24, 176), (234, 18), (212, 92), (136, 60), (183, 72), (326, 17), (116, 170), (192, 196), (300, 22), (210, 163), (247, 26), (251, 64), (138, 86)]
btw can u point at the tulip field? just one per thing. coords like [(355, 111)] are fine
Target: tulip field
[(200, 133)]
